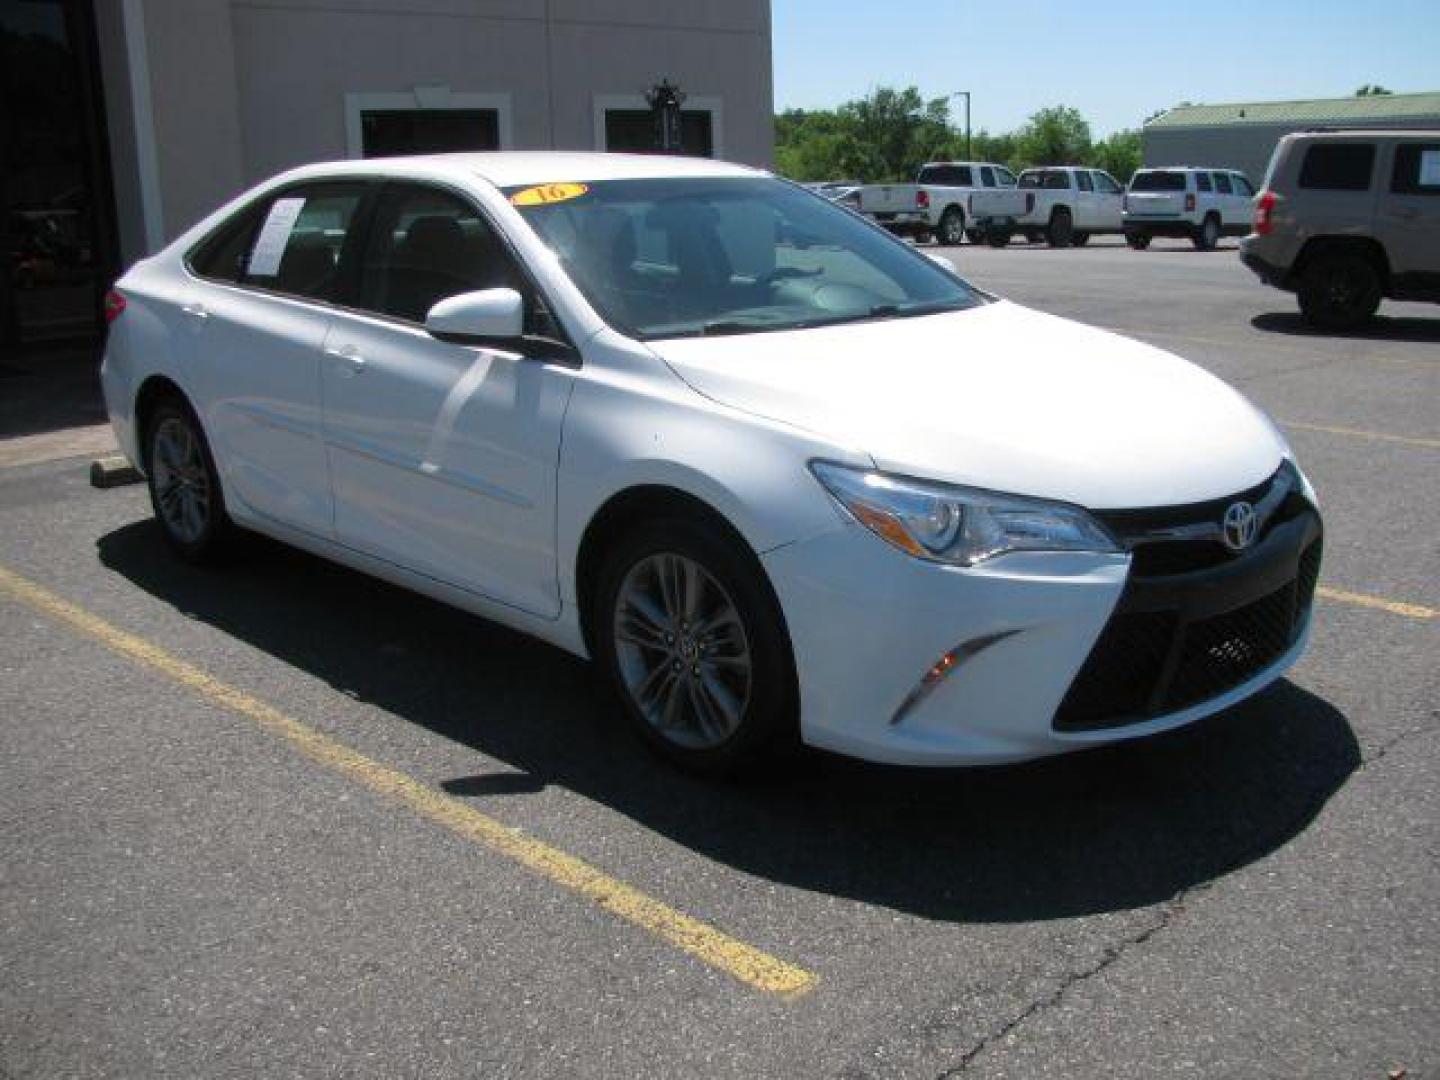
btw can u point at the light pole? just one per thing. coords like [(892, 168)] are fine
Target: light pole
[(966, 95)]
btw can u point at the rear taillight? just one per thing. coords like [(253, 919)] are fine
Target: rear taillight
[(1189, 201), (922, 199), (1264, 211), (114, 305)]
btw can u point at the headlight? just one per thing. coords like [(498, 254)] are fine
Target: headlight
[(963, 526)]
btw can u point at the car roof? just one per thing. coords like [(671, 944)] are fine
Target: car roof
[(1188, 168), (507, 168), (1366, 133)]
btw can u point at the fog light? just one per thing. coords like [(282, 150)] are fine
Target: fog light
[(942, 668)]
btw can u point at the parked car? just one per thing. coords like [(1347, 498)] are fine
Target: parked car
[(779, 474), (1200, 205), (1070, 204), (936, 205), (1347, 218)]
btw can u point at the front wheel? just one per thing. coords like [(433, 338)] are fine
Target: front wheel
[(952, 226), (693, 640), (184, 484), (1061, 230), (1339, 292), (1208, 235)]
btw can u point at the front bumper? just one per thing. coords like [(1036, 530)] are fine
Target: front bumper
[(867, 624)]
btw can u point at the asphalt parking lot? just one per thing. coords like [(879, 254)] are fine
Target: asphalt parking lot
[(286, 820)]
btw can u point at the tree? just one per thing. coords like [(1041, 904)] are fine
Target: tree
[(1371, 90), (1119, 155), (1058, 135)]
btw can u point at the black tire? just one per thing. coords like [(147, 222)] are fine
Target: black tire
[(1138, 241), (1079, 239), (1208, 235), (975, 236), (1061, 229), (209, 537), (1033, 237), (999, 238), (1340, 291), (951, 230), (923, 238), (767, 727)]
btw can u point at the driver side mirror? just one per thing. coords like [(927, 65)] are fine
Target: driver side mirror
[(487, 317)]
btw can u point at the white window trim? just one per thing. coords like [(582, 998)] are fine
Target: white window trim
[(603, 103), (424, 97)]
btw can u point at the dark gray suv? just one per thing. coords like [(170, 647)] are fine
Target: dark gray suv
[(1347, 218)]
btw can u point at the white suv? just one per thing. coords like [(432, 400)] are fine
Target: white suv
[(1200, 205)]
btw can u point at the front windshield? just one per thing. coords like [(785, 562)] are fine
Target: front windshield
[(678, 257)]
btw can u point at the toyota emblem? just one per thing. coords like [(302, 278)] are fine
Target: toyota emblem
[(1239, 526)]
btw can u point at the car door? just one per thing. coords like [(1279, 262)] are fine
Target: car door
[(1408, 221), (257, 321), (1085, 215), (1230, 203), (1244, 203), (442, 456), (1109, 199)]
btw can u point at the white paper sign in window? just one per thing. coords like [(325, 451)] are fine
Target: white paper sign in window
[(1429, 168), (274, 234)]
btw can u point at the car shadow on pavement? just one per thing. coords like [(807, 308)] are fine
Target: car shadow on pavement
[(1381, 328), (1106, 830)]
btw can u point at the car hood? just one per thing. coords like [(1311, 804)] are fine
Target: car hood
[(999, 397)]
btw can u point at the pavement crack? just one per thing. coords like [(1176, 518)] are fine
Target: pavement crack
[(1112, 953), (1378, 754)]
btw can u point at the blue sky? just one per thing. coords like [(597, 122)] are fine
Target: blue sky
[(1117, 61)]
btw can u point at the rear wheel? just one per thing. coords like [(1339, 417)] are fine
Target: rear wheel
[(952, 226), (1061, 229), (1339, 292), (184, 484), (1208, 234), (693, 640), (1138, 241)]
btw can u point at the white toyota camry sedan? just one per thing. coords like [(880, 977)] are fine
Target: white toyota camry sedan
[(781, 475)]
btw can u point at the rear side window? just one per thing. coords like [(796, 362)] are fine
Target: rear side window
[(1417, 169), (1084, 181), (1338, 166), (222, 255), (1158, 181), (1202, 181), (297, 244), (1222, 184), (987, 176), (426, 244)]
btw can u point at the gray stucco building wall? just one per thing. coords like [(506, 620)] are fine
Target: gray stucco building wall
[(206, 97)]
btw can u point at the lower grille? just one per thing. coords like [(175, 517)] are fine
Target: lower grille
[(1149, 663)]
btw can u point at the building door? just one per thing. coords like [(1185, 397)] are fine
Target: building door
[(57, 230), (633, 131), (391, 132)]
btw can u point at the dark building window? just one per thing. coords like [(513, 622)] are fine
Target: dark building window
[(633, 131), (390, 132), (1338, 166)]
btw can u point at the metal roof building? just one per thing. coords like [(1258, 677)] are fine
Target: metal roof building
[(1242, 136)]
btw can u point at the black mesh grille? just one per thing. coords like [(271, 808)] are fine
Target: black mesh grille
[(1220, 653), (1125, 680)]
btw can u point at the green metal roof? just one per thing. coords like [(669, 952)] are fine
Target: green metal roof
[(1370, 111)]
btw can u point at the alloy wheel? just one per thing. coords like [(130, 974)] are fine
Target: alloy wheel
[(182, 483)]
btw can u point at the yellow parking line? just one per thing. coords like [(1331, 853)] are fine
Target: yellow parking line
[(1395, 607), (1407, 440), (745, 962)]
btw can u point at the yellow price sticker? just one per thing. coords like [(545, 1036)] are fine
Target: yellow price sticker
[(544, 194)]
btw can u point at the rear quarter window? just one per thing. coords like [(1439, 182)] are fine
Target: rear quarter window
[(1417, 169), (1338, 166)]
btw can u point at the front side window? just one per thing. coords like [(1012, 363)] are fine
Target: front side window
[(1083, 180), (678, 257), (424, 245), (1344, 166), (1417, 169), (1222, 183), (1005, 176), (1242, 185), (1202, 182), (987, 176), (1049, 179), (1105, 183)]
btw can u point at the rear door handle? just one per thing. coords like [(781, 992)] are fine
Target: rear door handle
[(350, 356)]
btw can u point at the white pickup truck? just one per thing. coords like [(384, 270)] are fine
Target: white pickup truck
[(938, 204), (1067, 204)]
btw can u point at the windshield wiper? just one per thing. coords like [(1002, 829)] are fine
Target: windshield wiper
[(720, 327)]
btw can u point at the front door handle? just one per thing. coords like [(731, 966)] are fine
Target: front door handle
[(350, 356)]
